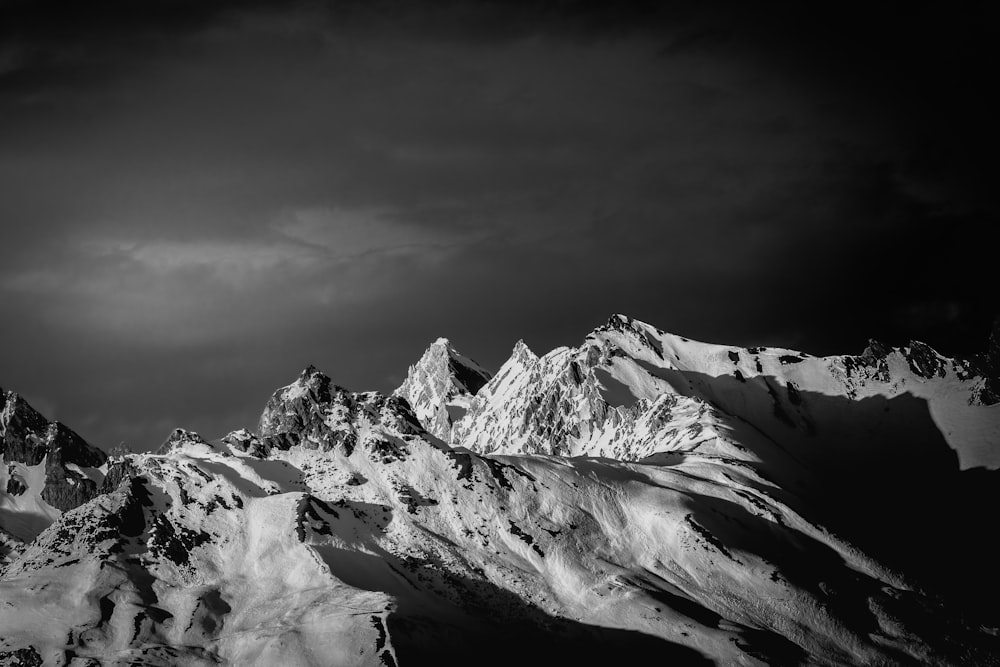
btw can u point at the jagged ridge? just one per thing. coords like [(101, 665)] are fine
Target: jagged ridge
[(710, 544)]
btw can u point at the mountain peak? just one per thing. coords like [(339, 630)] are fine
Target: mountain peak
[(439, 386), (621, 323), (178, 438), (309, 371), (47, 468), (521, 351)]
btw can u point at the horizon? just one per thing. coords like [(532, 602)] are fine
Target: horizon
[(198, 201)]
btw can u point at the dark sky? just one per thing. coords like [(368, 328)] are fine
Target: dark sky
[(197, 199)]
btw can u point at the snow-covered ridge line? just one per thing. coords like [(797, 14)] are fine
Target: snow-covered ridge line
[(579, 398), (641, 494)]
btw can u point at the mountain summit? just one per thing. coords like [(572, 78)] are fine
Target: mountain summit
[(640, 495), (440, 385), (45, 468)]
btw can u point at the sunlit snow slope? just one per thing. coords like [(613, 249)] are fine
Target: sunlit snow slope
[(641, 497)]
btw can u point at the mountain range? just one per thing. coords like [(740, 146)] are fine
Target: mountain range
[(641, 496)]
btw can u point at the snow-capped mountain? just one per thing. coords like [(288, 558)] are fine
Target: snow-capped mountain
[(440, 386), (611, 395), (45, 469), (641, 497), (887, 425)]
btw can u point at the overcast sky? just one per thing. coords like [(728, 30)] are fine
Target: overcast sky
[(197, 199)]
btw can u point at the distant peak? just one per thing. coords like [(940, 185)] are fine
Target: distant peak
[(310, 382), (442, 359), (177, 438), (619, 322), (311, 377), (876, 349), (181, 434), (14, 403), (441, 355), (521, 349), (624, 324), (308, 372), (441, 347), (441, 376)]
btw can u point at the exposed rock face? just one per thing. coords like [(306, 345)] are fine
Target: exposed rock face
[(178, 438), (23, 431), (15, 482), (246, 442), (315, 413), (24, 657), (10, 548), (924, 361), (119, 470), (440, 385), (28, 437), (47, 467)]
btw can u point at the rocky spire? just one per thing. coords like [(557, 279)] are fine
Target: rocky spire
[(28, 440), (439, 386)]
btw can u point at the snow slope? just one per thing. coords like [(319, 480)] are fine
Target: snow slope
[(631, 499), (341, 532), (856, 440), (189, 561)]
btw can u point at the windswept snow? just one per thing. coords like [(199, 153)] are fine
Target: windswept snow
[(24, 514), (641, 497)]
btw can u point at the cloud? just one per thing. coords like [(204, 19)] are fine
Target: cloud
[(187, 292), (200, 198), (340, 234), (235, 263)]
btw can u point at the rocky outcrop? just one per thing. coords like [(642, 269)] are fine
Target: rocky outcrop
[(246, 442), (180, 437), (317, 414), (16, 484), (28, 438), (924, 361)]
